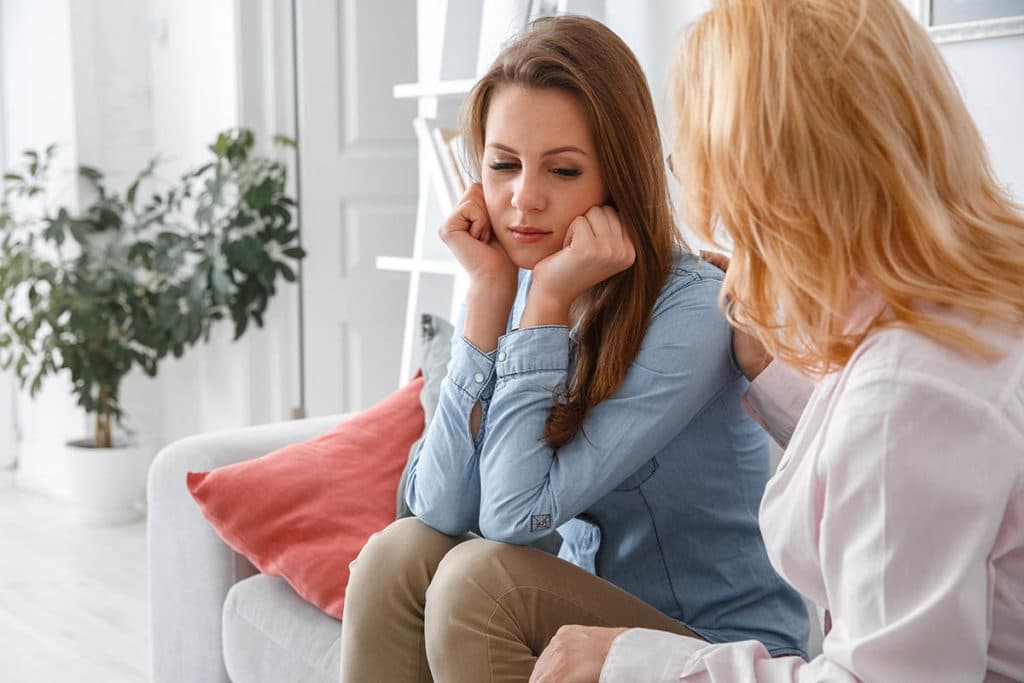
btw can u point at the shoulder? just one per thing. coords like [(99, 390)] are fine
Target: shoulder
[(917, 400), (911, 363), (691, 281)]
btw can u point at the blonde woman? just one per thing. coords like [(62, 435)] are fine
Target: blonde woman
[(594, 394), (874, 250)]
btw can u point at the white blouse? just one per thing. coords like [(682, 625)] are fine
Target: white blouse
[(899, 508)]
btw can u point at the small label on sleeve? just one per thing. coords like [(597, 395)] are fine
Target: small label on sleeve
[(540, 522)]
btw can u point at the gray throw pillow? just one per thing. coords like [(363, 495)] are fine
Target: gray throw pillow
[(435, 344)]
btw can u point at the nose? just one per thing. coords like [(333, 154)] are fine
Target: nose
[(529, 193)]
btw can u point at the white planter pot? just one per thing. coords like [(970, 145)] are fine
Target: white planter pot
[(106, 485)]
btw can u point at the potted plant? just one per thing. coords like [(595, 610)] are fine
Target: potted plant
[(121, 283)]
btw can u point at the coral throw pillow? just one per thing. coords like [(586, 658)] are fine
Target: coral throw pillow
[(303, 512)]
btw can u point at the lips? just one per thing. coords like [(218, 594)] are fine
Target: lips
[(527, 234)]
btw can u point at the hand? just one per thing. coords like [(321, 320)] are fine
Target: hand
[(575, 655), (750, 354), (596, 247), (467, 232)]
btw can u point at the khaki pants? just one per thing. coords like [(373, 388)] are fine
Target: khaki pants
[(422, 606)]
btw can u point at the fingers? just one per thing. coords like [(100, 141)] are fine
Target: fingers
[(718, 260), (612, 242), (469, 215)]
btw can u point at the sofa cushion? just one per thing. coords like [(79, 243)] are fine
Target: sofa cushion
[(272, 635), (304, 511)]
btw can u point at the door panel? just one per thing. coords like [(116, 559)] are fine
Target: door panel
[(359, 182)]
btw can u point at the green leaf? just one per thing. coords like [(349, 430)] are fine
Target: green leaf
[(260, 196), (132, 190), (13, 177), (90, 173), (80, 230), (286, 272), (240, 324), (220, 147), (285, 141), (109, 219), (295, 252)]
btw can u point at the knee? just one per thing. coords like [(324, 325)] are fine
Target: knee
[(471, 583), (398, 549), (471, 575)]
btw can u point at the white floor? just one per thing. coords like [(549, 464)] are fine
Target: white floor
[(73, 604)]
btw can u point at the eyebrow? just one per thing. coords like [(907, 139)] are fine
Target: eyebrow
[(556, 150)]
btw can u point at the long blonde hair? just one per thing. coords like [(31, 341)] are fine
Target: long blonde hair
[(586, 59), (831, 142)]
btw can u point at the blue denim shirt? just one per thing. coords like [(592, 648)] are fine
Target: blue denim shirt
[(660, 492)]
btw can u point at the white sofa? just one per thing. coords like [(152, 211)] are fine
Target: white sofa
[(214, 619)]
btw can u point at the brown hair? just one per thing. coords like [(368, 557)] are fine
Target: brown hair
[(583, 57), (831, 141)]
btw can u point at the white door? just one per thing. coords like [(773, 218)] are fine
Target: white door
[(359, 184)]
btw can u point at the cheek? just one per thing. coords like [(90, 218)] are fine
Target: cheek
[(586, 196), (495, 194)]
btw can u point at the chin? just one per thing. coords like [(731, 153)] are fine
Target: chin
[(527, 259), (525, 256)]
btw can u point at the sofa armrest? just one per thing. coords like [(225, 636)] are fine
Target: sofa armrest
[(190, 568)]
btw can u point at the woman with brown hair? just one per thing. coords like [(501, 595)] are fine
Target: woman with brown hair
[(874, 251), (594, 394)]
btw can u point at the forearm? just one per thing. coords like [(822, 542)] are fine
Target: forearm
[(444, 480), (487, 310)]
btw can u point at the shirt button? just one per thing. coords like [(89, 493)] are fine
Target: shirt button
[(501, 355), (479, 377)]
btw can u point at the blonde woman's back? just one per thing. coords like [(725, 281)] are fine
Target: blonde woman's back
[(913, 450)]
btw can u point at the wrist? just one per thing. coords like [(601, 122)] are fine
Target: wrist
[(758, 367), (487, 312), (545, 309)]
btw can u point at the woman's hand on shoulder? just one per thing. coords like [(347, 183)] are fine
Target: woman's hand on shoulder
[(750, 354), (596, 247), (467, 233)]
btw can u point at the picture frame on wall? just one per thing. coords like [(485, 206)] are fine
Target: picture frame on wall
[(957, 20)]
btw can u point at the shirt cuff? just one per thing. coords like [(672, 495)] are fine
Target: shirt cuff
[(776, 399), (643, 655), (470, 368), (533, 349)]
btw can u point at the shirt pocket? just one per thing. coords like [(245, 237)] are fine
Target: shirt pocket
[(635, 480)]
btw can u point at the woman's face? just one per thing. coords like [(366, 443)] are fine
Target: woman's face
[(539, 170)]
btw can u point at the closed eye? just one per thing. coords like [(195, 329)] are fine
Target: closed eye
[(567, 172), (503, 165)]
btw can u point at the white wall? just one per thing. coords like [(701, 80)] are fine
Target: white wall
[(8, 426), (121, 82), (38, 110), (193, 88), (990, 74)]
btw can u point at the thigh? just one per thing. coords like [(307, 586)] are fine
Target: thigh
[(382, 625), (493, 607), (548, 592)]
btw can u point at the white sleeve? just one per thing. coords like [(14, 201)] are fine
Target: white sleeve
[(916, 479), (776, 399)]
